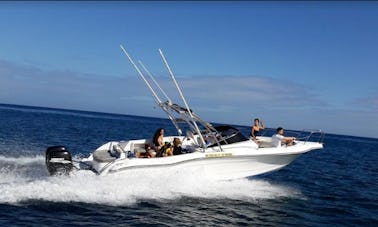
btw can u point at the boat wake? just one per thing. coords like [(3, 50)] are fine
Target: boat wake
[(24, 179)]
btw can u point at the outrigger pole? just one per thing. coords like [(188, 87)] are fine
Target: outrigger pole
[(156, 97), (183, 98), (185, 112), (156, 83), (174, 107)]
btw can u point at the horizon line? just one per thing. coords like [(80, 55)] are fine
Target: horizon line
[(143, 116)]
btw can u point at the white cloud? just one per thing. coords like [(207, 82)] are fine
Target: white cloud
[(248, 90), (369, 102), (224, 99)]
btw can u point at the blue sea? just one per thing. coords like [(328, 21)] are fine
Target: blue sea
[(336, 186)]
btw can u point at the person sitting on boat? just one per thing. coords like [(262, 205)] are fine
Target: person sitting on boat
[(279, 138), (177, 149), (256, 129), (157, 140), (162, 149), (150, 153), (167, 149)]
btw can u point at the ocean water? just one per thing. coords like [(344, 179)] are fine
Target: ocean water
[(336, 186)]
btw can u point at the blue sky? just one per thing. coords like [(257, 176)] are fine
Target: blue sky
[(292, 64)]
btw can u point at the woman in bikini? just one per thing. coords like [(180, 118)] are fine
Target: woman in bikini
[(256, 129)]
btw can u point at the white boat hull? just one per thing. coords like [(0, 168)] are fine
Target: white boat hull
[(232, 163), (240, 167)]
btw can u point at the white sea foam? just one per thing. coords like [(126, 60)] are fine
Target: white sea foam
[(17, 186), (23, 160)]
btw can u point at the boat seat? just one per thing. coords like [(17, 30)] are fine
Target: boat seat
[(264, 144), (103, 156), (137, 148)]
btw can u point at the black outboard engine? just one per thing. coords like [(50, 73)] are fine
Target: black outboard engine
[(58, 160)]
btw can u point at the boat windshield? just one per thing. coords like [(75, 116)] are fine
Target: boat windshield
[(228, 135)]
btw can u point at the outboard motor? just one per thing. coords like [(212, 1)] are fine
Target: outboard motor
[(58, 160)]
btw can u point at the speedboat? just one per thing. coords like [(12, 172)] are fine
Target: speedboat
[(220, 152)]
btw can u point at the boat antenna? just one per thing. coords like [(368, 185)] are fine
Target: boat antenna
[(182, 97), (156, 83)]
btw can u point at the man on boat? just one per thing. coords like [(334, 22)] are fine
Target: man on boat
[(278, 138)]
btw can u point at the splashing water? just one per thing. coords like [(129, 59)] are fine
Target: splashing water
[(26, 178)]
